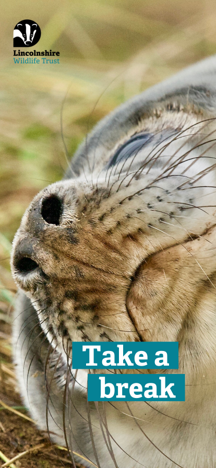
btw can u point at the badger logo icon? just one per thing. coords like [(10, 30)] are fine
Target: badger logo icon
[(26, 33)]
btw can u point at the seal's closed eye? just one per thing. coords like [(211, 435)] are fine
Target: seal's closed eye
[(139, 142), (130, 147)]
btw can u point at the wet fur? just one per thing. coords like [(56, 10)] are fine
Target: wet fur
[(133, 259)]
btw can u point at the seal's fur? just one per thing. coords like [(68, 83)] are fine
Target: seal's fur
[(123, 249)]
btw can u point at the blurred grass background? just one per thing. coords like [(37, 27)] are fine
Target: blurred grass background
[(110, 50)]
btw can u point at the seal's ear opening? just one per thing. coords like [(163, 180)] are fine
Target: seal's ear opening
[(51, 209)]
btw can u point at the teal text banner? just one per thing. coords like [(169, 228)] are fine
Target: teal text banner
[(124, 355), (136, 387)]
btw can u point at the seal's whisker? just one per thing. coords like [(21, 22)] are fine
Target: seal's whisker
[(94, 108), (147, 159), (70, 435), (174, 154), (158, 153), (104, 431), (32, 360), (148, 438), (29, 334), (48, 384), (67, 156), (194, 159), (91, 431), (68, 396), (107, 436), (207, 277), (155, 409), (24, 310), (25, 325), (29, 349), (190, 138), (115, 167)]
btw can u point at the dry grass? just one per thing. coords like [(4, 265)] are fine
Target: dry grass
[(110, 51)]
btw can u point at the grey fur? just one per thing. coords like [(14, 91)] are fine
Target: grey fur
[(193, 87)]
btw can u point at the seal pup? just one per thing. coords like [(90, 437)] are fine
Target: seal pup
[(123, 249)]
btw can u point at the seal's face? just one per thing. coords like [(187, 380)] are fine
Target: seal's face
[(126, 250)]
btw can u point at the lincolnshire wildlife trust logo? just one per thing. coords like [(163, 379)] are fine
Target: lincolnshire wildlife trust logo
[(26, 33)]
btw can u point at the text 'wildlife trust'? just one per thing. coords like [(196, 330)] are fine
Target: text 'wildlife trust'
[(127, 355)]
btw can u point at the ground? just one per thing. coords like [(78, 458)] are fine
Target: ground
[(18, 435)]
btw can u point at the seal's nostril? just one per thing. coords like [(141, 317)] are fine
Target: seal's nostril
[(25, 265), (51, 210)]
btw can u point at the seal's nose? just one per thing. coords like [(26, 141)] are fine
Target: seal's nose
[(25, 265), (46, 210), (23, 261)]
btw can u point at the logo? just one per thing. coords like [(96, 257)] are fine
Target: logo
[(26, 33)]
